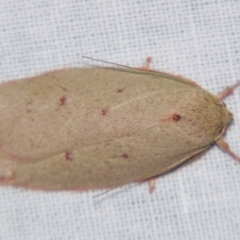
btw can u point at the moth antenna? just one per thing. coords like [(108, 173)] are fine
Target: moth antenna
[(116, 64), (100, 194)]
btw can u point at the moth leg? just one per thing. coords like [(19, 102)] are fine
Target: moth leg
[(146, 64), (228, 90), (225, 147), (182, 79), (220, 142), (151, 184)]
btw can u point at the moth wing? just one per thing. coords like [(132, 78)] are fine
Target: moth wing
[(102, 165)]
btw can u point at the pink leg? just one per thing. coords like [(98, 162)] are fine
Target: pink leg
[(228, 90), (151, 184), (225, 147), (220, 142), (146, 63)]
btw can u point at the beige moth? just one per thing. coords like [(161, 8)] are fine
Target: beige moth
[(102, 127)]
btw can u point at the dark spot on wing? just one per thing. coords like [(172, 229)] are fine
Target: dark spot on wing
[(68, 156), (176, 117), (120, 90), (104, 111), (62, 101), (124, 155)]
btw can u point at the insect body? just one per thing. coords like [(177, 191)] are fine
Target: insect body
[(88, 128)]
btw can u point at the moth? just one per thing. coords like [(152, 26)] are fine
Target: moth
[(102, 127)]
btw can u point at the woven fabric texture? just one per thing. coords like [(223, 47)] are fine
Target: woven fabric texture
[(197, 39)]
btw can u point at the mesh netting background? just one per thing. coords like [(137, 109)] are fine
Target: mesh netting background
[(197, 39)]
